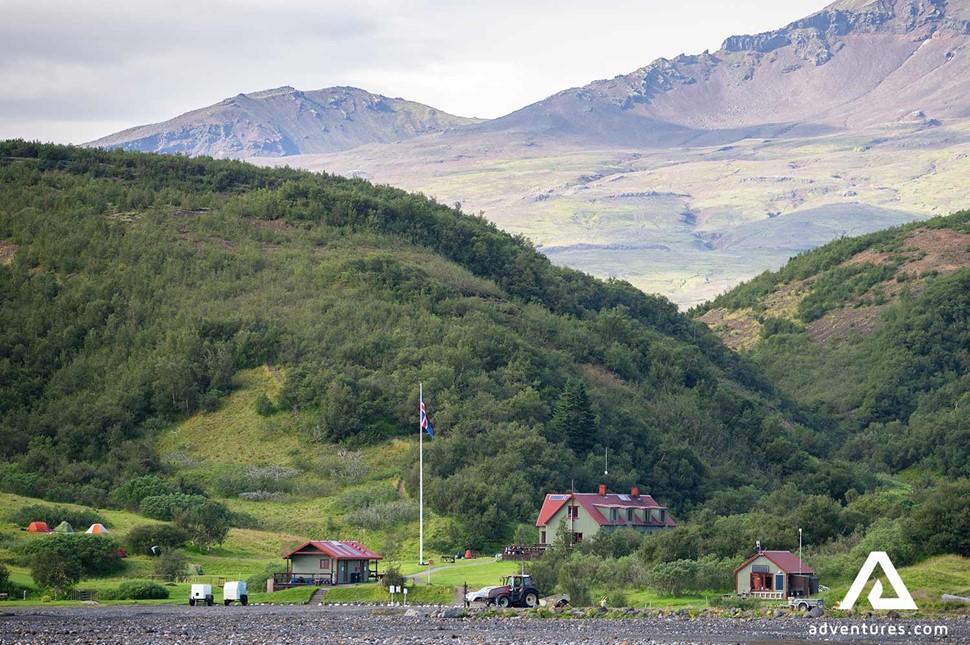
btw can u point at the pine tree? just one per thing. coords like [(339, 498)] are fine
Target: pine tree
[(573, 419)]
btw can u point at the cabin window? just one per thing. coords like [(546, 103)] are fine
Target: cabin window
[(761, 582), (574, 512), (629, 514), (779, 582), (325, 563), (542, 537)]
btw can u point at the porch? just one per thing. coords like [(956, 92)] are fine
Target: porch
[(524, 551)]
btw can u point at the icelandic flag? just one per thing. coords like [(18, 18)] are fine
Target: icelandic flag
[(425, 423)]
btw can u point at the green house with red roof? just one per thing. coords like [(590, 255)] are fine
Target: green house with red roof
[(775, 575), (586, 514)]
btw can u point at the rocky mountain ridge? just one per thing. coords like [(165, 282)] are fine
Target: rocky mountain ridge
[(286, 121)]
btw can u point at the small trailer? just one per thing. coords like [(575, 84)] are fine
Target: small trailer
[(201, 594), (804, 604), (235, 590)]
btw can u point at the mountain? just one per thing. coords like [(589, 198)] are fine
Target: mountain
[(873, 332), (852, 65), (286, 121), (139, 292), (691, 174)]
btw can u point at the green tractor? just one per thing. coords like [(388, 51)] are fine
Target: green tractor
[(515, 591)]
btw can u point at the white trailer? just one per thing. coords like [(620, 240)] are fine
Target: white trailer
[(235, 590), (201, 593)]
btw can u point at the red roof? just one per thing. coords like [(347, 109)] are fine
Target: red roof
[(593, 502), (784, 560), (336, 549)]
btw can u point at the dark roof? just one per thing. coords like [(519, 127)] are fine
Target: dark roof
[(595, 504), (339, 550), (784, 560)]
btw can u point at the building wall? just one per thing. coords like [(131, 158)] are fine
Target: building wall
[(583, 524), (310, 564)]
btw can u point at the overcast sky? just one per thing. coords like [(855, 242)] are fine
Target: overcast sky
[(75, 70)]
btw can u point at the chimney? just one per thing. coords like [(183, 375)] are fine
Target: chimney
[(635, 492), (602, 490)]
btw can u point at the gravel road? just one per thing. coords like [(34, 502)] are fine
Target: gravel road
[(171, 624)]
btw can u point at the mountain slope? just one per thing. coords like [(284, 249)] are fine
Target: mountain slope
[(850, 120), (139, 286), (874, 332), (285, 121), (849, 66)]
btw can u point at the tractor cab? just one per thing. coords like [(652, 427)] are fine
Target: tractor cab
[(516, 591)]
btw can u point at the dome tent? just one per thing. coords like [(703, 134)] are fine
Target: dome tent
[(97, 528), (38, 527), (64, 527)]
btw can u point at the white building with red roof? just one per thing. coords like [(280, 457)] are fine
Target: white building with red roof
[(775, 575), (586, 514), (329, 562)]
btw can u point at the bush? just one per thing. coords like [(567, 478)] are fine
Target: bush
[(234, 480), (141, 590), (206, 524), (379, 516), (166, 507), (5, 585), (392, 576), (54, 515), (142, 538), (170, 565), (89, 555), (131, 493), (257, 581)]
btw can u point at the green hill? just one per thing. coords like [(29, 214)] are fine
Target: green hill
[(138, 291), (872, 334)]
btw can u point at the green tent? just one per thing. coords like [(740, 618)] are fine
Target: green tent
[(64, 527)]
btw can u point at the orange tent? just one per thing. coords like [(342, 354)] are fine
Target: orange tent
[(97, 528), (39, 527)]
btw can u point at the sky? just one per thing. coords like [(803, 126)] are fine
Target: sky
[(75, 70)]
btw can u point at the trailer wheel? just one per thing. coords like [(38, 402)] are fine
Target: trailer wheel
[(208, 601), (191, 602), (227, 602), (502, 601), (244, 600), (803, 606), (531, 599)]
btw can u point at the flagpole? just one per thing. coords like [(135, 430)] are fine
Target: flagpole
[(420, 475)]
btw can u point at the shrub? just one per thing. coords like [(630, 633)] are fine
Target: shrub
[(5, 585), (141, 590), (142, 538), (234, 480), (257, 581), (170, 565), (93, 555), (131, 493), (378, 516), (166, 507), (206, 524), (54, 515), (392, 576)]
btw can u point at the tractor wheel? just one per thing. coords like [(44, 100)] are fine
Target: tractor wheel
[(191, 602), (531, 599), (244, 600), (803, 606), (502, 601)]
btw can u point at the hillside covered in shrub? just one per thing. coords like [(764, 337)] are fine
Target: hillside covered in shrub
[(135, 288)]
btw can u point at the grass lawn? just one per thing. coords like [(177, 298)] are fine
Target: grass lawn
[(477, 572)]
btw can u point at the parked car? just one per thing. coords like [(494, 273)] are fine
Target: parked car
[(479, 596)]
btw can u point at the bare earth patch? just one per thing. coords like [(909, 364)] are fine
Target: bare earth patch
[(7, 251)]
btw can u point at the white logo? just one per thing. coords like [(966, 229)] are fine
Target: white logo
[(902, 600)]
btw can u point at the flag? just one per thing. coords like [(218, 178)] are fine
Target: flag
[(425, 423)]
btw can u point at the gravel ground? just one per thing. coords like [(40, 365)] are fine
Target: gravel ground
[(233, 625)]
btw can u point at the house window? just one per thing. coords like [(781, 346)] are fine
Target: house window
[(663, 516), (542, 537), (577, 538), (325, 564), (629, 514), (574, 512)]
